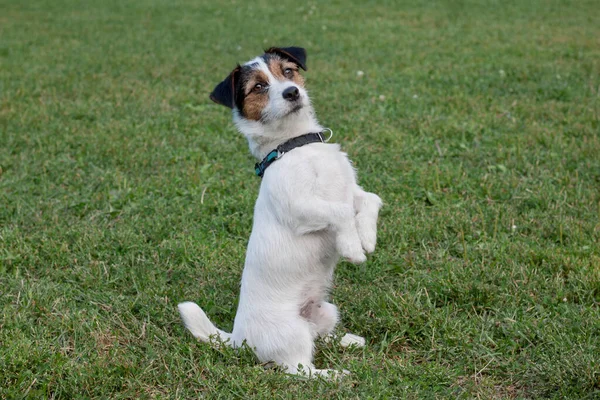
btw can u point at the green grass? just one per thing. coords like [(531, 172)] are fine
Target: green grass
[(124, 191)]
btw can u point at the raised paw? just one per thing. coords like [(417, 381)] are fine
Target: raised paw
[(351, 252), (367, 206), (368, 235), (357, 258), (348, 245)]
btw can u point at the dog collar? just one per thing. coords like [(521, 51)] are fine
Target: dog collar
[(283, 148)]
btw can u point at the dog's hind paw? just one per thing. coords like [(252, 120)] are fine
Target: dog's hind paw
[(350, 339)]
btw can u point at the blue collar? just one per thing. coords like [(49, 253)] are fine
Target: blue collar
[(283, 148)]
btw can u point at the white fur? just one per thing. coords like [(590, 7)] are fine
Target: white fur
[(309, 212)]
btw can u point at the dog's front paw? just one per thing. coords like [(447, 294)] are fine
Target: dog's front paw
[(351, 249), (366, 225), (366, 220), (368, 238), (357, 258)]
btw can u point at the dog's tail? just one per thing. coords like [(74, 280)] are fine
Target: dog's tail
[(196, 321)]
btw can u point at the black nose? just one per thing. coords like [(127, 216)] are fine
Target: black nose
[(291, 93)]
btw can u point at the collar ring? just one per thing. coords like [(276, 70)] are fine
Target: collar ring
[(330, 135)]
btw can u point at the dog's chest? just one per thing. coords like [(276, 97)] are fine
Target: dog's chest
[(334, 174), (319, 169)]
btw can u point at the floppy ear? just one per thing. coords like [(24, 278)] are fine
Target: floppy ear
[(294, 54), (224, 92)]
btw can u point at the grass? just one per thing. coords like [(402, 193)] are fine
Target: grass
[(124, 191)]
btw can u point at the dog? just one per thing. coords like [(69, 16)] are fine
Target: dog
[(309, 212)]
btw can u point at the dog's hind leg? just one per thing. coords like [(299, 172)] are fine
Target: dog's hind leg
[(367, 207), (324, 317), (291, 347)]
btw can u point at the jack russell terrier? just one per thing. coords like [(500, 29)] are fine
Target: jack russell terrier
[(309, 212)]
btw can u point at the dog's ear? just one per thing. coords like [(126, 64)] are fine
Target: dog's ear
[(224, 92), (294, 54)]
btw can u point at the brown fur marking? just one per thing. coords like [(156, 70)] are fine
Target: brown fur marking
[(277, 66), (255, 102)]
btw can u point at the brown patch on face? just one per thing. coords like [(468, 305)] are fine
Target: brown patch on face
[(277, 66), (255, 100)]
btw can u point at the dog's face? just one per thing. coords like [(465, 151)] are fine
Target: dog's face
[(268, 88)]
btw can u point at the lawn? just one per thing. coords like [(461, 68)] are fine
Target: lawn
[(124, 190)]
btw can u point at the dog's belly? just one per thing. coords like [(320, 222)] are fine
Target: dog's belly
[(282, 271), (279, 260)]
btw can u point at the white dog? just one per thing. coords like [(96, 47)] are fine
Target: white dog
[(309, 212)]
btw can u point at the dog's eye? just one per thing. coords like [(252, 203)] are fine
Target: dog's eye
[(288, 72), (258, 87)]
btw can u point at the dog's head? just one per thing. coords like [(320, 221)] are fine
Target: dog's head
[(266, 89)]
